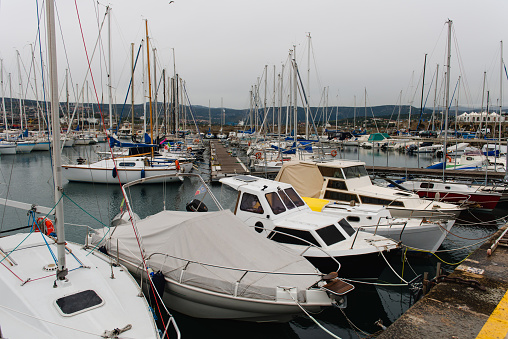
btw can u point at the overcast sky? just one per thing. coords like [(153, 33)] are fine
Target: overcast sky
[(222, 46)]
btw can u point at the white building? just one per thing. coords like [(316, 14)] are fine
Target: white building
[(483, 117)]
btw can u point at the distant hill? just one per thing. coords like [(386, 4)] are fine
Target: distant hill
[(233, 116)]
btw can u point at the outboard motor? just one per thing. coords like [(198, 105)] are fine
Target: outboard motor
[(196, 206)]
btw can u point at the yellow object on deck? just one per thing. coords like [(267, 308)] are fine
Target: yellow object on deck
[(315, 204)]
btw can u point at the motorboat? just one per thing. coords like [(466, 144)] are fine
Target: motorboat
[(213, 266), (476, 195), (275, 210), (414, 233), (348, 182)]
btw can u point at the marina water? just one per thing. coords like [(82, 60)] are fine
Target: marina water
[(28, 178)]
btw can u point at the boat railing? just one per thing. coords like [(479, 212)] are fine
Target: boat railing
[(245, 271)]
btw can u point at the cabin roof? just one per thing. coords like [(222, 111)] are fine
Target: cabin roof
[(253, 183)]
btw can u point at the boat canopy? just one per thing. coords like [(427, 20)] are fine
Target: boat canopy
[(378, 137), (188, 247), (305, 178)]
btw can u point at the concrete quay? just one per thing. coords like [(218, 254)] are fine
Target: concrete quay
[(454, 309)]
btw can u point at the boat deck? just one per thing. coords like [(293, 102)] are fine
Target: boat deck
[(458, 308), (223, 164)]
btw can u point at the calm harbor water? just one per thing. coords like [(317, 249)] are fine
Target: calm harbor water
[(28, 178)]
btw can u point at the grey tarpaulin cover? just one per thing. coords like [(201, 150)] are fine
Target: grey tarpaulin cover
[(216, 238)]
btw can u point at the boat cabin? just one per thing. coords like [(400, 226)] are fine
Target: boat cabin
[(276, 209)]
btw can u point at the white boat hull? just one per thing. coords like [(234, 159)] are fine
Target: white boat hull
[(7, 149), (83, 173)]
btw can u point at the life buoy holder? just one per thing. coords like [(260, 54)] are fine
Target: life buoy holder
[(334, 153), (448, 158), (177, 164), (259, 156), (45, 225)]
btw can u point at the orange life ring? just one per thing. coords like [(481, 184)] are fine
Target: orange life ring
[(448, 158), (334, 153), (47, 227), (189, 148), (177, 164), (259, 155)]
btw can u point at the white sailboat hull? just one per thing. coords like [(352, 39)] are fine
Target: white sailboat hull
[(83, 173), (29, 310)]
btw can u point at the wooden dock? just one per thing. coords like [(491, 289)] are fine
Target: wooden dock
[(223, 164)]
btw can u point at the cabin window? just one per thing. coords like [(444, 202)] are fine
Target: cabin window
[(347, 227), (426, 185), (126, 164), (353, 218), (330, 235), (355, 172), (337, 184), (384, 202), (292, 236), (275, 203), (447, 187), (250, 203), (331, 172), (332, 195), (294, 197), (289, 204)]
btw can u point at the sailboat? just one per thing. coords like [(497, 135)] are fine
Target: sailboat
[(56, 289)]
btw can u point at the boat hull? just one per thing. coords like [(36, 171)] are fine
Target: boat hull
[(106, 175), (352, 266), (483, 201)]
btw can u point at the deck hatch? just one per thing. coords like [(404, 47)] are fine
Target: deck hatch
[(78, 302)]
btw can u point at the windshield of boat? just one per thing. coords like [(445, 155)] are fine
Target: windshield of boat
[(287, 201), (295, 198), (291, 236), (355, 172), (250, 203), (275, 203), (330, 235)]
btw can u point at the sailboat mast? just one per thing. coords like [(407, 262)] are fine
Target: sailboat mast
[(155, 90), (308, 92), (295, 94), (149, 83), (144, 88), (447, 95), (132, 89), (57, 159), (20, 92), (108, 10), (3, 92), (435, 98)]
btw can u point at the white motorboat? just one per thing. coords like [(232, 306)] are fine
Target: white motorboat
[(107, 171), (276, 211), (215, 267), (347, 181), (418, 234)]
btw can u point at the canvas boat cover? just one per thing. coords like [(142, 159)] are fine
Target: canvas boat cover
[(305, 178), (171, 239)]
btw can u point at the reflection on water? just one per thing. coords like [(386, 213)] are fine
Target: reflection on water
[(28, 178)]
